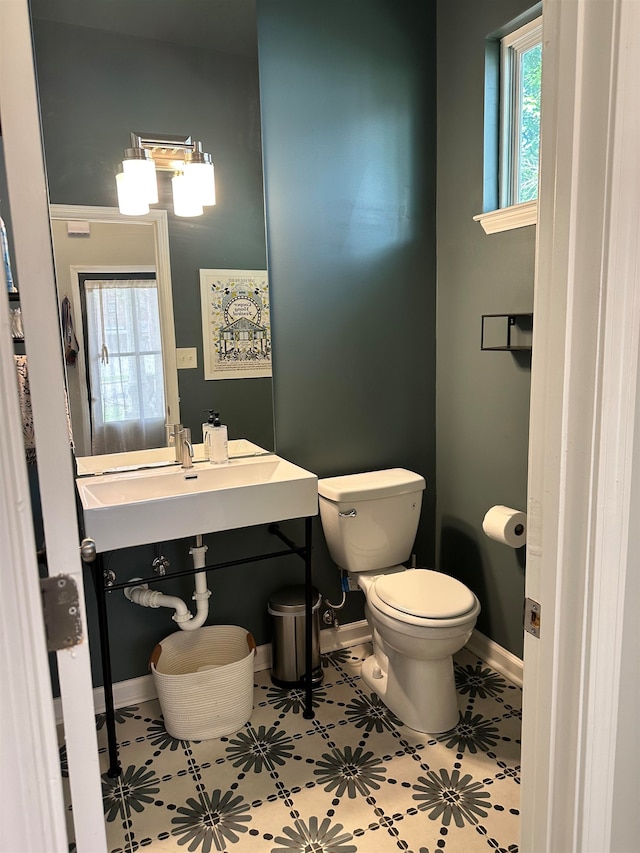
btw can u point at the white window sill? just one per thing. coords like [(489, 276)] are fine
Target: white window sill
[(508, 218)]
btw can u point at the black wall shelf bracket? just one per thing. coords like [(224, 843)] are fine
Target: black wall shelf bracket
[(506, 332)]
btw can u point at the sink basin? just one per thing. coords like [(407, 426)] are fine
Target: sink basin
[(138, 507)]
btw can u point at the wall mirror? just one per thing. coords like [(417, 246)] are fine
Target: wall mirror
[(106, 69)]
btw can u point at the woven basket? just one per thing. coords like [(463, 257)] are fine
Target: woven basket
[(204, 681)]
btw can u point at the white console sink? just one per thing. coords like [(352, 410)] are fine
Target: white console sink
[(139, 507)]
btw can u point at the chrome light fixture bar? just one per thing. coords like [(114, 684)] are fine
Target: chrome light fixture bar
[(193, 181)]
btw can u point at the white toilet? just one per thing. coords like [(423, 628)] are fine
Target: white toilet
[(419, 618)]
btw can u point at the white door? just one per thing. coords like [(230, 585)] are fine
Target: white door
[(34, 264), (580, 746), (30, 769)]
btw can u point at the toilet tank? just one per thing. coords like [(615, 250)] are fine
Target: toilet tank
[(370, 520)]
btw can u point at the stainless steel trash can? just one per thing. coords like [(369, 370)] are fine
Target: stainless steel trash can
[(286, 608)]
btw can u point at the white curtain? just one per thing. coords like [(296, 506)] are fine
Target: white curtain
[(125, 365)]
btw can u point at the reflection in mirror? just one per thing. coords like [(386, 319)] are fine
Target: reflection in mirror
[(116, 309), (121, 323), (108, 68)]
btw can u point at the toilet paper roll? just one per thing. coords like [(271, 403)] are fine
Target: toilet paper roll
[(506, 525)]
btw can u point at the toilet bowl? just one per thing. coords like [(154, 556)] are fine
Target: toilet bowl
[(419, 618)]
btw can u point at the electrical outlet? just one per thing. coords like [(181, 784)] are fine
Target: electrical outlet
[(187, 357)]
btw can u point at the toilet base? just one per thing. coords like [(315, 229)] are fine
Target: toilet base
[(421, 693)]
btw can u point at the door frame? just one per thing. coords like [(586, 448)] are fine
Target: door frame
[(29, 205), (584, 445), (31, 781)]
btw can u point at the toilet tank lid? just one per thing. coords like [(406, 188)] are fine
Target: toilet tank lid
[(370, 485)]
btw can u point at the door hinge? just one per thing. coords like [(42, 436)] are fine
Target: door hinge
[(61, 610), (532, 612)]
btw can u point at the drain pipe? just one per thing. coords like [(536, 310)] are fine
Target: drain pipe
[(201, 595), (145, 597)]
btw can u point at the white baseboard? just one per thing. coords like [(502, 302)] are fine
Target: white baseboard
[(503, 661), (142, 689)]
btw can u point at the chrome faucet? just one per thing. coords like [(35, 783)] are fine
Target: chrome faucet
[(174, 439), (177, 437), (187, 453)]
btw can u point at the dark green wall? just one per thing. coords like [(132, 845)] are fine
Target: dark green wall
[(348, 122), (482, 397), (95, 88)]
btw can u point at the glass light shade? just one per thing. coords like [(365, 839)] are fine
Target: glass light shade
[(130, 202), (143, 173), (201, 177), (185, 201)]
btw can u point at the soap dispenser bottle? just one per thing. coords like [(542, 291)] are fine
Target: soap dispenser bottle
[(218, 451), (206, 435)]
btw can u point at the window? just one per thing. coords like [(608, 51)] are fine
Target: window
[(520, 78), (124, 354), (512, 100)]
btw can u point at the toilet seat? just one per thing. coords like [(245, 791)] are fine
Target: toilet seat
[(421, 594)]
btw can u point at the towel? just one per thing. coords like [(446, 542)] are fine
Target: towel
[(68, 335), (24, 394)]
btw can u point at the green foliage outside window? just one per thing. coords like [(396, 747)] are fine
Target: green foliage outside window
[(529, 143)]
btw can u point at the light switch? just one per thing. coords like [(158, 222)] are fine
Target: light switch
[(186, 357)]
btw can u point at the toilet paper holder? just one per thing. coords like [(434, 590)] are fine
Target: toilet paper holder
[(506, 525)]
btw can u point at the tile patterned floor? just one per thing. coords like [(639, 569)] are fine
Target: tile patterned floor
[(352, 779)]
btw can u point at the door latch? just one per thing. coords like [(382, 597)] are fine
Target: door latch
[(532, 613), (61, 609)]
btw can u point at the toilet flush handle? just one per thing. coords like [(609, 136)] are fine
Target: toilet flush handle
[(350, 513)]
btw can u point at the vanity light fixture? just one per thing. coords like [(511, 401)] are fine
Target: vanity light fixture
[(193, 182)]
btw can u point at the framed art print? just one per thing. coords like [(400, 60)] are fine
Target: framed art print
[(236, 324)]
